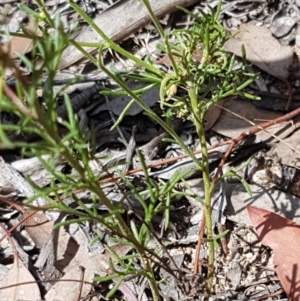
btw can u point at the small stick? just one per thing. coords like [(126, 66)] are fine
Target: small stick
[(270, 295), (222, 239), (200, 240), (289, 87), (130, 150), (82, 270), (19, 208)]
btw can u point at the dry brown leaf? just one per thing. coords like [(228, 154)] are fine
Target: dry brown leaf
[(262, 49), (212, 114), (68, 290), (70, 256), (17, 45), (21, 45), (68, 252), (16, 275), (96, 265), (283, 236), (39, 228), (231, 125)]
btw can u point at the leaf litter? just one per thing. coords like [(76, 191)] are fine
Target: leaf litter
[(19, 284), (72, 251), (262, 49), (283, 236)]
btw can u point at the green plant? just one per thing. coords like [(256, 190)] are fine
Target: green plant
[(204, 83)]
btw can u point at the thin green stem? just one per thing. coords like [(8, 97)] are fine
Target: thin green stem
[(65, 152), (151, 278), (84, 52), (207, 187), (122, 225), (164, 37), (151, 114)]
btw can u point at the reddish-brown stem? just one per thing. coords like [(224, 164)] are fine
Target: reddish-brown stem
[(19, 208), (253, 130), (200, 240), (270, 295), (6, 234)]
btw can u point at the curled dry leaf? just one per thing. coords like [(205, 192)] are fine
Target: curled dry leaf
[(262, 49), (16, 291), (283, 236)]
